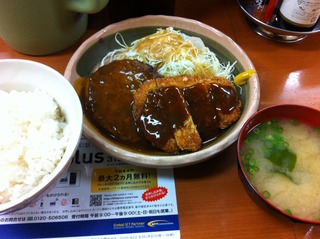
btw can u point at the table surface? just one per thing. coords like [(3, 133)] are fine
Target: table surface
[(212, 202)]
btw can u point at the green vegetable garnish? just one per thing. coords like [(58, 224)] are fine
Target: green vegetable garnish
[(288, 211), (266, 194), (277, 151), (294, 122), (274, 148), (283, 158), (249, 161)]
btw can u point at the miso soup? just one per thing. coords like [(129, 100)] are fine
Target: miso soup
[(282, 160)]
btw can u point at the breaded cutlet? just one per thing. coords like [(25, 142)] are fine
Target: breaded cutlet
[(184, 81), (217, 102), (167, 126)]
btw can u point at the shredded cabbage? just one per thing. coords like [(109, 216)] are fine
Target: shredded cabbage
[(172, 53)]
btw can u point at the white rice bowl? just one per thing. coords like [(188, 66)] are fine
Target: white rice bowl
[(41, 125), (35, 140)]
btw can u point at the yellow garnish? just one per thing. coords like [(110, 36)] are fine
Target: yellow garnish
[(243, 77)]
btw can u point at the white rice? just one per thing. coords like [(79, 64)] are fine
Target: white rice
[(33, 139)]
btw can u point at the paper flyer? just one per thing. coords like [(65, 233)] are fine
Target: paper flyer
[(101, 197)]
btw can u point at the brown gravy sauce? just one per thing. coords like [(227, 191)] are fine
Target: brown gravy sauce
[(108, 95), (107, 98), (165, 111), (203, 110)]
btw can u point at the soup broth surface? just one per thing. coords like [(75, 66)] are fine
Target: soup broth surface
[(282, 160)]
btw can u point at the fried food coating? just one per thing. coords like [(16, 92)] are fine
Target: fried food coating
[(179, 113)]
